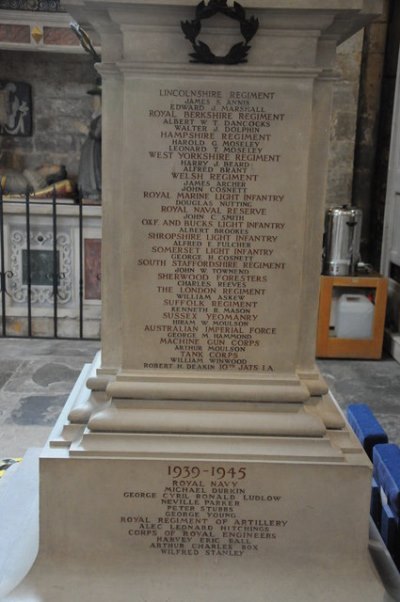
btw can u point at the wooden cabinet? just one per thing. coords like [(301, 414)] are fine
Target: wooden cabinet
[(328, 343)]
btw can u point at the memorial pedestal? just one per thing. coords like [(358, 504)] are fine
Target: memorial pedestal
[(206, 458), (157, 517)]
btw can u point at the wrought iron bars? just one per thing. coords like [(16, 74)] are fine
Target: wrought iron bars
[(2, 267), (29, 268)]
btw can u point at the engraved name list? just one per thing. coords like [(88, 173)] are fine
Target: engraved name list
[(217, 245), (203, 510)]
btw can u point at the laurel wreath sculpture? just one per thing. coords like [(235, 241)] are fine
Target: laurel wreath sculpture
[(202, 53)]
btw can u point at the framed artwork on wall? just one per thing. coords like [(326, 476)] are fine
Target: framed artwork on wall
[(15, 108)]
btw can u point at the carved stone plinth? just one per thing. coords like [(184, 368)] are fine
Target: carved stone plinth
[(206, 459)]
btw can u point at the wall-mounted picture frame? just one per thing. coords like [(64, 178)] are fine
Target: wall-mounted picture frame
[(15, 108)]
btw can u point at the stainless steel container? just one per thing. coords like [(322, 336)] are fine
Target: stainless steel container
[(342, 240)]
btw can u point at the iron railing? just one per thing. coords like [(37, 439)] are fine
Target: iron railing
[(29, 272)]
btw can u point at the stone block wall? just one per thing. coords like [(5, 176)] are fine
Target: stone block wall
[(344, 122), (61, 108), (376, 118)]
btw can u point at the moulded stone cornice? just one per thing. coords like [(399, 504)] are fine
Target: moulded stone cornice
[(151, 69), (282, 448), (236, 390), (108, 69), (204, 421), (349, 15), (363, 6)]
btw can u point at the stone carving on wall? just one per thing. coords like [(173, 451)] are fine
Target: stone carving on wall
[(89, 177), (41, 245), (16, 108)]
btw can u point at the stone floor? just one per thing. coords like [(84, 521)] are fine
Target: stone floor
[(36, 377), (376, 383)]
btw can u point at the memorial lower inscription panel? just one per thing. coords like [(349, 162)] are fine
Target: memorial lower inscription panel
[(207, 509), (204, 510), (218, 218)]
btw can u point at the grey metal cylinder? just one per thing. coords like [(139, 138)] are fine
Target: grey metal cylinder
[(342, 240)]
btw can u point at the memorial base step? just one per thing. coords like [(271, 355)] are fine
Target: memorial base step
[(167, 516), (202, 528)]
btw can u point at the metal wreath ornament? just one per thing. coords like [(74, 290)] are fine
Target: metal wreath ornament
[(202, 52)]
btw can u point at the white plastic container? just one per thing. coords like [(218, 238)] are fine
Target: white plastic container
[(354, 317)]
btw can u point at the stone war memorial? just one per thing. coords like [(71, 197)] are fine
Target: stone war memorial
[(201, 457)]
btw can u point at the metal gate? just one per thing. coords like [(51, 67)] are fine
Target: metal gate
[(43, 271)]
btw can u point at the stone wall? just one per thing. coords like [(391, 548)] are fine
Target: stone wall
[(380, 118), (369, 117), (344, 120), (61, 108)]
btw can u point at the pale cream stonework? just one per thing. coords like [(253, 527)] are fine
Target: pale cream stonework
[(172, 480)]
